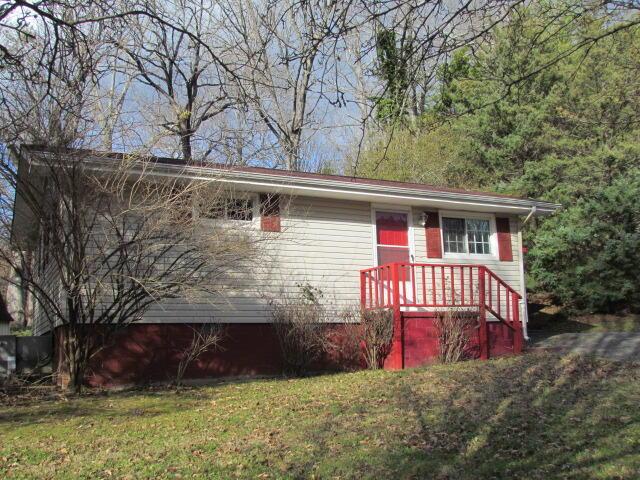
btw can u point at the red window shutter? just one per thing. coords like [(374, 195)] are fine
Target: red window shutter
[(270, 213), (504, 240), (434, 238)]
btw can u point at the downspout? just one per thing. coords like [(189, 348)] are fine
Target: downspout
[(523, 301), (531, 214)]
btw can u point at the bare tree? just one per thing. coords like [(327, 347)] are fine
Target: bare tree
[(283, 65), (454, 328), (283, 51), (192, 86), (300, 325), (55, 19), (45, 98), (370, 331), (111, 240)]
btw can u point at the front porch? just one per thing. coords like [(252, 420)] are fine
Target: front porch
[(418, 292)]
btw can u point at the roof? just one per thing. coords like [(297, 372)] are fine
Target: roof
[(314, 184)]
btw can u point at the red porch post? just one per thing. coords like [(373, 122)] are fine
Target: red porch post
[(397, 344), (483, 334), (363, 291), (517, 332)]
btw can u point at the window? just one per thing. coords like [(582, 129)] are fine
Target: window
[(453, 230), (478, 236), (230, 209), (466, 235)]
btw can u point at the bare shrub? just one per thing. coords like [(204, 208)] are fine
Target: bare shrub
[(108, 243), (454, 328), (377, 333), (344, 345), (205, 339), (371, 330), (301, 329)]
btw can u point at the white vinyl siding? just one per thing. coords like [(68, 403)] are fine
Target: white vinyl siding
[(323, 242), (51, 282)]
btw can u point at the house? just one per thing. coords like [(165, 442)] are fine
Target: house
[(416, 249)]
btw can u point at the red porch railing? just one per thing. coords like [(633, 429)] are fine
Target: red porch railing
[(401, 286)]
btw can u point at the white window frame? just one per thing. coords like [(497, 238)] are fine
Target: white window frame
[(390, 208), (493, 235)]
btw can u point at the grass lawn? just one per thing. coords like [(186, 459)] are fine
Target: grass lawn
[(533, 416)]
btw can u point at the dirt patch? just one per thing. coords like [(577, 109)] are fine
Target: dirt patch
[(613, 323)]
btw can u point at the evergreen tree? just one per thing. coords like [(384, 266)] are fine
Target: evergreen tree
[(519, 115)]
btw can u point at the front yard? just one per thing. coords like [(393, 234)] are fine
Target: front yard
[(534, 416)]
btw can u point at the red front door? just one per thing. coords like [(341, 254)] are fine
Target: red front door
[(392, 234), (392, 245)]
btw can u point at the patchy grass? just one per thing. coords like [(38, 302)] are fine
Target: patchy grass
[(533, 416)]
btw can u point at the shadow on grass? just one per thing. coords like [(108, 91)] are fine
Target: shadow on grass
[(535, 421), (538, 417), (544, 324), (547, 319), (93, 406)]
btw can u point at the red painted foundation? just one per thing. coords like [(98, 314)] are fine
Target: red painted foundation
[(146, 353), (420, 340)]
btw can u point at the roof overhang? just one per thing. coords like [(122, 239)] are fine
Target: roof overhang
[(290, 184)]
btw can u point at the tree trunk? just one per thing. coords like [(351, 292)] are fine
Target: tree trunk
[(185, 145), (74, 360), (76, 376), (5, 315), (292, 145)]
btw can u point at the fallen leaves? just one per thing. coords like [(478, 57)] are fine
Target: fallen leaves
[(533, 416)]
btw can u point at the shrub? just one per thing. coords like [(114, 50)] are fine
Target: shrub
[(377, 333), (371, 331), (589, 254), (453, 329), (204, 339), (301, 329)]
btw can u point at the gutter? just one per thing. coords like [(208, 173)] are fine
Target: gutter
[(524, 304), (523, 300), (268, 180)]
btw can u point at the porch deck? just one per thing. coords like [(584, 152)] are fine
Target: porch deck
[(418, 292)]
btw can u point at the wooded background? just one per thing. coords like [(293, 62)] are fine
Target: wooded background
[(536, 99)]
